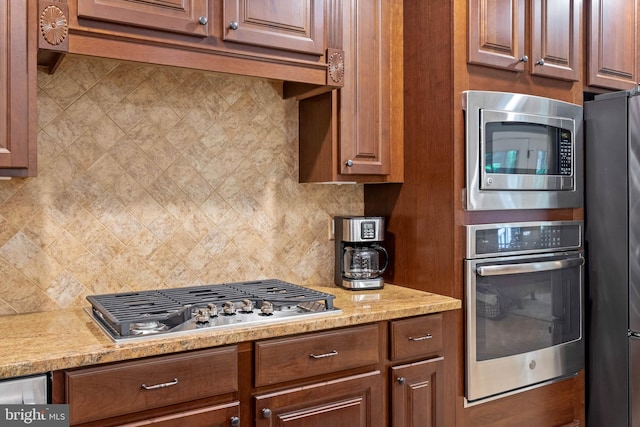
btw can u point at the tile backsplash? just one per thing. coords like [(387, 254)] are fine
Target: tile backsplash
[(152, 177)]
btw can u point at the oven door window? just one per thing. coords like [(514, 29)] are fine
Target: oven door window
[(518, 312)]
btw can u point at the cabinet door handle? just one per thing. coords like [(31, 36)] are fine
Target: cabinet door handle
[(322, 356), (203, 20), (153, 387), (233, 25), (235, 422), (423, 338)]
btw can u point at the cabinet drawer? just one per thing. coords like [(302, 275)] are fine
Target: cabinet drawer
[(287, 359), (416, 336), (128, 387)]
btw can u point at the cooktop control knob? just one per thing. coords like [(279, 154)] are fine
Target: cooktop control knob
[(267, 308), (202, 315), (213, 310), (247, 306), (229, 308)]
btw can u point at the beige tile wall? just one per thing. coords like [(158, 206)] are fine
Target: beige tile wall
[(156, 177)]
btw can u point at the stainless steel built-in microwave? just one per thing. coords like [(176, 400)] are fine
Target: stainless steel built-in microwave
[(522, 152)]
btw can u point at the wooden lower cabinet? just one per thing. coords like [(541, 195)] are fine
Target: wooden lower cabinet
[(345, 402), (416, 394), (387, 373), (226, 415)]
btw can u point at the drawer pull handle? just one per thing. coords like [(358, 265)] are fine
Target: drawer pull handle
[(424, 338), (153, 387), (322, 356)]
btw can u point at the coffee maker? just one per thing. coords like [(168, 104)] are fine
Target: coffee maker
[(358, 252)]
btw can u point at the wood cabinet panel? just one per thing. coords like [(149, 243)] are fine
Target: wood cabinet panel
[(416, 393), (416, 336), (496, 33), (287, 359), (497, 36), (107, 391), (366, 96), (613, 44), (355, 133), (555, 38), (283, 24), (210, 416), (179, 16), (351, 401), (18, 46), (557, 404)]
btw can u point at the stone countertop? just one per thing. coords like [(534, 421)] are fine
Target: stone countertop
[(45, 341)]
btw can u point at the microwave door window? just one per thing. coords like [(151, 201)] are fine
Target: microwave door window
[(519, 149)]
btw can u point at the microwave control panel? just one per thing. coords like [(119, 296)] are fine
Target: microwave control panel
[(566, 153)]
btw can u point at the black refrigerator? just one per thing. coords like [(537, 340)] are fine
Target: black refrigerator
[(612, 242)]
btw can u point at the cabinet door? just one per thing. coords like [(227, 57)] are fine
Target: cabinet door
[(355, 133), (365, 99), (179, 16), (345, 402), (209, 416), (282, 24), (416, 396), (613, 44), (496, 33), (555, 38), (17, 83)]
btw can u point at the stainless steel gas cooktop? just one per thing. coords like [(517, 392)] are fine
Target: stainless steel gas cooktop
[(145, 314)]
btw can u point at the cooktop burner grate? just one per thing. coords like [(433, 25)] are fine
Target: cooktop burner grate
[(174, 307)]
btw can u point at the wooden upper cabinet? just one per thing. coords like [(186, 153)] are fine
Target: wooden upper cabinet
[(282, 24), (355, 133), (555, 38), (365, 99), (613, 44), (496, 33), (178, 16), (497, 36), (18, 86)]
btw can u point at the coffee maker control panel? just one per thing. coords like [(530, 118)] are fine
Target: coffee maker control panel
[(368, 230), (360, 229)]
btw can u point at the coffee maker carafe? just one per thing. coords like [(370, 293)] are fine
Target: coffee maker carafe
[(360, 257)]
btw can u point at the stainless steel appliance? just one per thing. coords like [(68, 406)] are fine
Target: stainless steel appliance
[(612, 235), (358, 252), (25, 390), (522, 152), (147, 314), (524, 304)]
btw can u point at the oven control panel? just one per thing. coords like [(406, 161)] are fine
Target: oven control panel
[(499, 239)]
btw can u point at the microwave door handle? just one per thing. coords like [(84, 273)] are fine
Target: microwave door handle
[(506, 269)]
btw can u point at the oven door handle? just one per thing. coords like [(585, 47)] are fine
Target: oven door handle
[(533, 267)]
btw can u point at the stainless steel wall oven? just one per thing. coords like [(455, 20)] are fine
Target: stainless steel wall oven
[(524, 305)]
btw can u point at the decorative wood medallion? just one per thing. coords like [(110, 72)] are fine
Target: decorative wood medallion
[(335, 71), (53, 25)]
